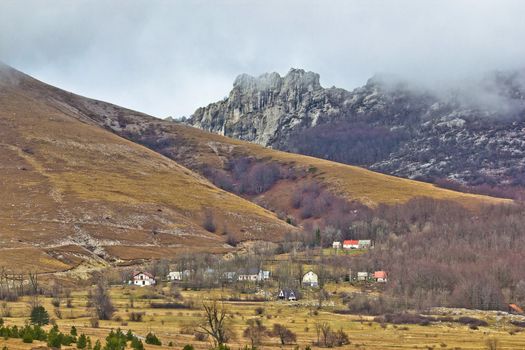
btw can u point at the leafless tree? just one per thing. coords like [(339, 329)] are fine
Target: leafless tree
[(215, 323), (100, 300)]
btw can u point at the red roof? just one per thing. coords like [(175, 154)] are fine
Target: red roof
[(351, 242), (380, 274), (516, 308)]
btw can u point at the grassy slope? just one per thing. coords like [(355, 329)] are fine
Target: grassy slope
[(66, 182), (167, 324), (354, 183)]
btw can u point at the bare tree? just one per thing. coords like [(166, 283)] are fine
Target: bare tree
[(285, 335), (100, 300), (255, 331), (215, 323)]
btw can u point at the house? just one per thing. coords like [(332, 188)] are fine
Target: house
[(362, 276), (250, 274), (336, 245), (229, 276), (287, 294), (175, 276), (364, 243), (142, 279), (310, 279), (380, 276), (263, 275), (515, 309), (351, 244), (178, 275)]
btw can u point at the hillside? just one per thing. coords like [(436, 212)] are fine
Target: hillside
[(464, 135), (207, 153), (74, 193)]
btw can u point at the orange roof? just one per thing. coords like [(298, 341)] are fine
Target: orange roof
[(380, 274), (351, 242), (516, 308)]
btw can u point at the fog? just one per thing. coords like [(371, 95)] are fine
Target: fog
[(167, 58)]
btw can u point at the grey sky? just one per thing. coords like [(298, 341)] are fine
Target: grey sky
[(170, 57)]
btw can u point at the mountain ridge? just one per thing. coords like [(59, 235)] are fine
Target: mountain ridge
[(470, 135)]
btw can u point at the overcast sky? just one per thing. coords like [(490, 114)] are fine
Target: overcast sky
[(170, 57)]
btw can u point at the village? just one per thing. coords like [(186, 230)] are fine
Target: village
[(288, 289)]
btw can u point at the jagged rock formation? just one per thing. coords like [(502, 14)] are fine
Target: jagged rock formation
[(472, 134)]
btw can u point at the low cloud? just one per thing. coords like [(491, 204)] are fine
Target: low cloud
[(170, 57)]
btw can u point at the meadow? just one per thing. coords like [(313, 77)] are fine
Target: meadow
[(174, 327)]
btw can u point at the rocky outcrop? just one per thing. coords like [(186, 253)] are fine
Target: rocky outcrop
[(472, 134)]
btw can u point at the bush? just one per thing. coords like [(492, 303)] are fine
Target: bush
[(136, 344), (188, 347), (136, 316), (39, 316), (82, 342), (471, 321), (28, 338), (152, 339)]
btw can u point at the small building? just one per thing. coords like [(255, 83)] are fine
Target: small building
[(336, 245), (351, 244), (263, 275), (362, 276), (287, 294), (175, 276), (178, 275), (143, 279), (310, 279), (364, 243), (229, 276), (250, 274), (515, 309), (380, 276)]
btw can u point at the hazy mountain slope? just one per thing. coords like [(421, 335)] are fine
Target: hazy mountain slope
[(200, 151), (65, 182), (471, 134)]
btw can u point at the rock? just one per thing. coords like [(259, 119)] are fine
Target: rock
[(472, 134)]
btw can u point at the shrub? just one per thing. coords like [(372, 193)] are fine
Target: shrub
[(28, 338), (82, 342), (152, 339), (136, 344), (188, 347), (136, 316), (39, 316)]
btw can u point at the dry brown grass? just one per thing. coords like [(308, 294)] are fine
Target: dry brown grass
[(66, 182), (364, 334)]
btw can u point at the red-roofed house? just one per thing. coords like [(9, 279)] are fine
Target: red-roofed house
[(515, 309), (380, 276), (351, 244), (141, 278)]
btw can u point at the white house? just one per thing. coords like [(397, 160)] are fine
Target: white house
[(351, 244), (175, 276), (310, 279), (362, 276), (178, 275), (380, 276), (336, 245), (251, 275), (263, 275), (364, 243), (287, 294), (143, 279)]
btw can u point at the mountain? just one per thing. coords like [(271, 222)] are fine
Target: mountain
[(468, 135), (77, 195)]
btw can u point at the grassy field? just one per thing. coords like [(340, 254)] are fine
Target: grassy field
[(354, 183), (301, 317)]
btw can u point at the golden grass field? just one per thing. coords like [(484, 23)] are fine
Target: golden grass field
[(351, 182), (364, 334), (68, 183)]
